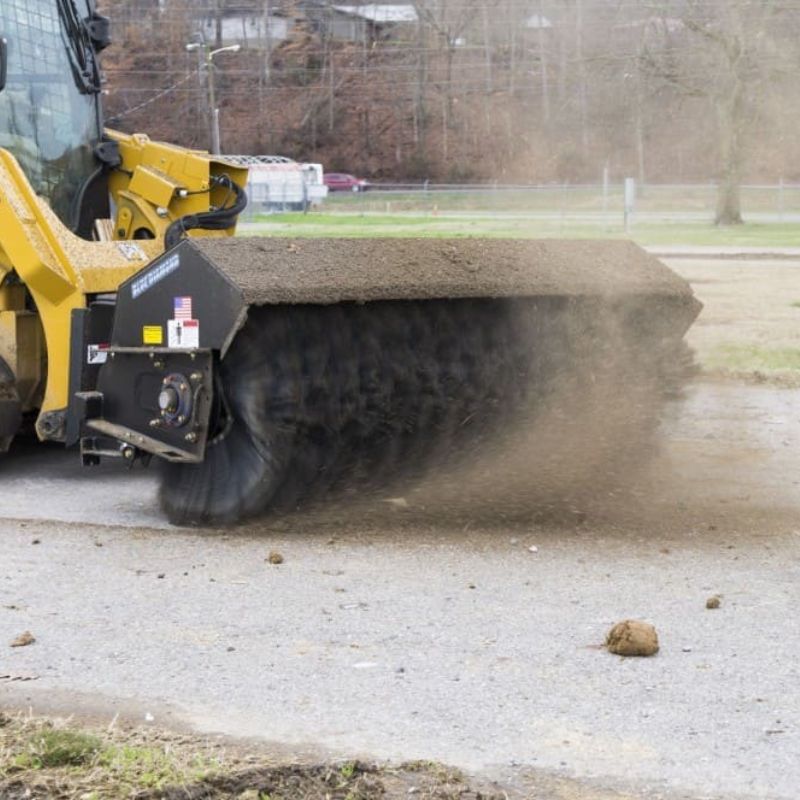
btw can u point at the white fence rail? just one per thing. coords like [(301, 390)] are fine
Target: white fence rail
[(665, 202)]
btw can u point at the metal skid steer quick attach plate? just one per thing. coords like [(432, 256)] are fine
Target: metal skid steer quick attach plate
[(156, 389)]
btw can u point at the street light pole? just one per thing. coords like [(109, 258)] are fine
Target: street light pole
[(212, 102), (212, 94)]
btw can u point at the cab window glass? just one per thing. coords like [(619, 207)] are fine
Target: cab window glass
[(46, 122)]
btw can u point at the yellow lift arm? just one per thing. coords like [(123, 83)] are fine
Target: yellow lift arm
[(46, 271)]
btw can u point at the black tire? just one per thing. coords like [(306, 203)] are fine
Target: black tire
[(10, 407)]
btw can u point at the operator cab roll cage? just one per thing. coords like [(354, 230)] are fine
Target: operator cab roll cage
[(50, 109)]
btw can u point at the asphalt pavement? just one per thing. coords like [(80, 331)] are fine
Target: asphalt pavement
[(402, 635)]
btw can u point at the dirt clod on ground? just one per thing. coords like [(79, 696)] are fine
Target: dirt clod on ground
[(275, 557), (713, 601), (632, 638), (23, 640)]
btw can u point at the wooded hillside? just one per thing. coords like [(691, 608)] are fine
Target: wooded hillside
[(506, 90)]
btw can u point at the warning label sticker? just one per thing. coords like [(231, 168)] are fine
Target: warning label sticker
[(97, 354), (152, 334), (183, 334)]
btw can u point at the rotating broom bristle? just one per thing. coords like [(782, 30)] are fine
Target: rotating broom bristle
[(326, 398)]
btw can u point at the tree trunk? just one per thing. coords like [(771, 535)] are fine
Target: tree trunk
[(445, 126), (447, 108), (420, 111), (367, 138), (582, 93), (267, 51), (543, 67), (331, 72), (562, 65), (331, 92), (512, 65), (487, 44), (217, 25), (487, 50), (729, 118), (639, 127), (729, 208)]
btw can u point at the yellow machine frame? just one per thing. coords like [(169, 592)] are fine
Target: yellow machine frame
[(43, 262)]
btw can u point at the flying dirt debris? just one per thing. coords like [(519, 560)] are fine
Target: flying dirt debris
[(266, 374)]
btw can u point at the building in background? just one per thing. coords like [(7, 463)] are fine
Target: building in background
[(248, 25), (259, 25), (373, 22)]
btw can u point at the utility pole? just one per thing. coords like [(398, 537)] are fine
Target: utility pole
[(207, 59)]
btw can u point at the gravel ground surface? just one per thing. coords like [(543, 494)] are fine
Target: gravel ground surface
[(414, 638), (748, 304)]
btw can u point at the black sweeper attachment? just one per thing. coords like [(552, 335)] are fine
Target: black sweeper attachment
[(270, 372)]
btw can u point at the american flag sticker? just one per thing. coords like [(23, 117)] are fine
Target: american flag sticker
[(183, 307)]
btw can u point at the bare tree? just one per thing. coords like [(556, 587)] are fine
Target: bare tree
[(540, 37), (447, 22), (666, 89), (720, 60)]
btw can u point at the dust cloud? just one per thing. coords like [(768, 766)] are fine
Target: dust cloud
[(580, 442), (587, 427)]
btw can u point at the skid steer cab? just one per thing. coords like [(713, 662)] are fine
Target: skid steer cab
[(149, 384)]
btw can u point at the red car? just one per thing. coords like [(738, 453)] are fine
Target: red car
[(342, 182)]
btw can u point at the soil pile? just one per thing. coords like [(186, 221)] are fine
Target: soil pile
[(277, 270)]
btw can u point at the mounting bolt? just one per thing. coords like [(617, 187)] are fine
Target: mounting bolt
[(183, 387), (128, 453), (196, 376), (191, 437), (158, 364), (181, 419), (156, 423)]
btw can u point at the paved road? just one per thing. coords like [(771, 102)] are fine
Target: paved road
[(405, 636)]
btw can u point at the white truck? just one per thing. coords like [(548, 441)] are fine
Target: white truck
[(277, 183)]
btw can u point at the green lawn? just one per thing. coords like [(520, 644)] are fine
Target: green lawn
[(748, 358), (377, 225)]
